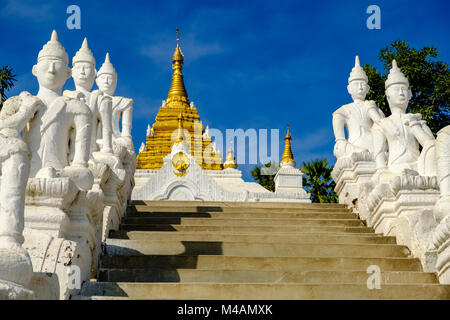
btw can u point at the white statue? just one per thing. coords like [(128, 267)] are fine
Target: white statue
[(142, 148), (442, 208), (358, 116), (441, 234), (49, 133), (15, 263), (401, 132), (122, 108), (192, 105), (149, 131), (83, 73), (206, 133)]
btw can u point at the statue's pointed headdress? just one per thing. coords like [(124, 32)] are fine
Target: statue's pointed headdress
[(53, 49), (358, 72), (107, 67), (395, 76), (84, 54)]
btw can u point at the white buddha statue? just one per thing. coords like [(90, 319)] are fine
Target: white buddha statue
[(358, 116), (401, 132), (49, 133), (83, 74), (122, 108)]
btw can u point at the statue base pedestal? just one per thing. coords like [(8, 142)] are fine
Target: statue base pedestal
[(403, 208), (61, 264), (351, 175), (12, 291), (441, 243)]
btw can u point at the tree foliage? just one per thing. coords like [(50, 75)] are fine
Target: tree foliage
[(265, 175), (316, 179), (429, 82), (318, 182), (7, 79)]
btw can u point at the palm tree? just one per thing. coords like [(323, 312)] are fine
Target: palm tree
[(317, 180), (7, 79)]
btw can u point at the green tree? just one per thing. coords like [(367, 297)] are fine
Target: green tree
[(7, 79), (318, 182), (265, 175), (429, 80)]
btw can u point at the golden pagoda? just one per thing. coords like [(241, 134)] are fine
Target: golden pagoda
[(177, 115), (287, 157)]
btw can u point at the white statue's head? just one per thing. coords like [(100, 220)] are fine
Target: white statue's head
[(83, 67), (397, 89), (107, 77), (358, 85), (52, 68)]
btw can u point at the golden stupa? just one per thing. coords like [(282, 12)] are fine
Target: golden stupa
[(287, 156), (178, 114)]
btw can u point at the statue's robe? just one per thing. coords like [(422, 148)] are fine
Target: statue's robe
[(358, 123), (49, 134), (402, 143), (93, 100), (122, 108)]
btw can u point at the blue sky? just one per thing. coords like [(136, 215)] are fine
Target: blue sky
[(248, 64)]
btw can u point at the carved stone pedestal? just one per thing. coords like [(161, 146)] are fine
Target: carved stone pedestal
[(113, 213), (441, 243), (351, 175), (59, 233), (15, 271), (402, 208)]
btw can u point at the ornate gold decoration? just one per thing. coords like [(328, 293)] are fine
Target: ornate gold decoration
[(180, 137), (287, 154), (167, 120), (181, 163), (229, 161)]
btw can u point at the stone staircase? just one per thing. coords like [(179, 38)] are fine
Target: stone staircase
[(218, 250)]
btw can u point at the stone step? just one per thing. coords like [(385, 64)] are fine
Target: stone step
[(245, 228), (258, 276), (221, 204), (254, 210), (263, 291), (242, 221), (355, 238), (210, 262), (134, 247), (273, 215)]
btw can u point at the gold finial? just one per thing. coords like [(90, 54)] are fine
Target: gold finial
[(177, 93), (287, 156), (178, 55)]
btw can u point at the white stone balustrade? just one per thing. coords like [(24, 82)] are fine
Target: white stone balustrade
[(406, 192), (80, 174)]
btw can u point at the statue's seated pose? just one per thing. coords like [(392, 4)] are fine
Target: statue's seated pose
[(122, 108), (401, 132), (358, 117), (49, 133), (83, 73)]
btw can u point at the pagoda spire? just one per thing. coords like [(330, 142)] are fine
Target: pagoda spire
[(177, 92), (287, 159)]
